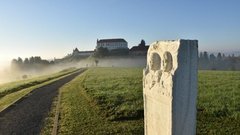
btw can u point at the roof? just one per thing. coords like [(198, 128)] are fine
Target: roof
[(86, 51), (76, 50), (111, 40), (139, 48)]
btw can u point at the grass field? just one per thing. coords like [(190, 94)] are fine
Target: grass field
[(109, 101), (91, 110), (118, 92), (11, 92), (218, 102)]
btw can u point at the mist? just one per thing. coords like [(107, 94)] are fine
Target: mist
[(122, 62), (9, 74)]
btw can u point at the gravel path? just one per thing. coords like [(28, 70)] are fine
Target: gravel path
[(26, 117)]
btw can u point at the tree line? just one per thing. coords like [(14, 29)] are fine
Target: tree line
[(218, 62), (32, 63), (206, 61)]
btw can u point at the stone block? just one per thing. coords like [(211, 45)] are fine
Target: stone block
[(170, 88)]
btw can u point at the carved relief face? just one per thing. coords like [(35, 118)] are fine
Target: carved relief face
[(155, 62), (167, 61)]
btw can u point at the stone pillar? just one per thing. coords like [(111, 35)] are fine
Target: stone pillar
[(170, 88)]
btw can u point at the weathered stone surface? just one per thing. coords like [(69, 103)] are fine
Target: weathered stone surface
[(170, 88)]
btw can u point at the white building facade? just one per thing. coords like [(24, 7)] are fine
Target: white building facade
[(112, 44)]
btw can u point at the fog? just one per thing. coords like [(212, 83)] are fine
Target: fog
[(122, 62), (9, 74)]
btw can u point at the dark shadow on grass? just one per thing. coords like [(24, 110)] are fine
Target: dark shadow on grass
[(139, 115)]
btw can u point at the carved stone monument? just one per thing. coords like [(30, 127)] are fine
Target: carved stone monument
[(170, 88)]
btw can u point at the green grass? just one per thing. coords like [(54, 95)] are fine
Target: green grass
[(14, 93), (81, 113), (218, 102), (49, 121), (109, 101), (11, 87), (118, 91)]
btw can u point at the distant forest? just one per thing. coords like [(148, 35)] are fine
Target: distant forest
[(218, 62), (206, 62), (32, 63)]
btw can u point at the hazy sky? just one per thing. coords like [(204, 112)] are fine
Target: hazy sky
[(52, 28)]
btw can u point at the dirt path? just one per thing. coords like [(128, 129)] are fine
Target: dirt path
[(26, 117)]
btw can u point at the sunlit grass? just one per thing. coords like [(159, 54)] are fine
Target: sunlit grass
[(109, 101), (82, 112), (218, 102), (117, 91)]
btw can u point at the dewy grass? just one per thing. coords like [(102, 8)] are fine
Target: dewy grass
[(218, 102), (109, 101), (81, 115), (117, 91)]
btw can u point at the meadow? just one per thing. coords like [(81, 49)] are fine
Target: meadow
[(218, 102), (98, 102), (109, 101)]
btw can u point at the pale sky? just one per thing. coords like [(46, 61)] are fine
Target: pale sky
[(52, 28)]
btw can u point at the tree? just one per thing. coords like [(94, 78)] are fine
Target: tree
[(212, 57), (14, 64), (96, 62), (101, 52), (204, 61), (223, 56), (205, 56), (31, 60), (232, 61), (51, 62), (119, 52), (37, 59), (219, 56), (20, 61), (26, 61), (142, 43)]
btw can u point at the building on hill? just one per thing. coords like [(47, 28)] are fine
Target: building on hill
[(141, 49), (86, 53), (76, 52), (112, 44)]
